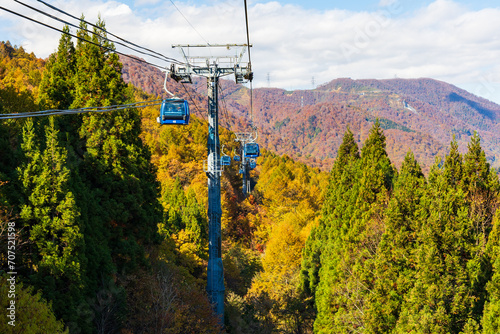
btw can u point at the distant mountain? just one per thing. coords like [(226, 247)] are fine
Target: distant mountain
[(418, 114)]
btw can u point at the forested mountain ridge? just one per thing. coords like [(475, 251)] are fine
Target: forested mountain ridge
[(420, 114), (133, 216), (110, 211), (83, 194)]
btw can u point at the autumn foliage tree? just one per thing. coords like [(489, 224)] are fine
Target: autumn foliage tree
[(111, 211)]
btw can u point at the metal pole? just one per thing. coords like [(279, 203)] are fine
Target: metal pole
[(215, 271), (220, 66), (244, 168)]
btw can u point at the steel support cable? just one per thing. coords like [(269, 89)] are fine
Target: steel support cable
[(57, 112), (191, 98), (131, 105), (251, 104), (82, 39), (122, 39), (225, 113), (217, 137), (92, 32), (189, 22), (224, 108), (248, 34), (52, 112), (189, 95), (60, 112), (249, 64)]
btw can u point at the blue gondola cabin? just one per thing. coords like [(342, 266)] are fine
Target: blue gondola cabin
[(236, 158), (174, 111), (253, 164), (225, 160), (252, 150)]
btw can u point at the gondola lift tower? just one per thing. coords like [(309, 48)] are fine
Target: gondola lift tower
[(223, 59)]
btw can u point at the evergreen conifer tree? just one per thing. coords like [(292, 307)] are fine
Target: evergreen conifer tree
[(56, 87), (116, 170), (394, 263), (345, 277), (51, 214), (113, 180), (451, 265), (341, 181), (491, 315), (482, 189)]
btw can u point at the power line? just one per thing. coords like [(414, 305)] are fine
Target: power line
[(97, 27), (248, 34), (250, 77), (52, 112), (224, 107), (188, 22), (80, 38), (189, 95), (164, 58)]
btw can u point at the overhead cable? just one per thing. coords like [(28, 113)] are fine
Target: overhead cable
[(249, 65), (188, 22), (189, 95), (225, 113), (248, 34), (164, 58), (82, 39), (52, 112), (97, 27)]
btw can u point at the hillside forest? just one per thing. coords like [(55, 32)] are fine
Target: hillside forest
[(109, 212), (421, 115)]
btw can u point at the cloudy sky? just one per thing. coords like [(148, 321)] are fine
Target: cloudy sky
[(299, 44)]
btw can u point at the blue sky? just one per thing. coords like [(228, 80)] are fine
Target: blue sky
[(358, 5), (296, 42)]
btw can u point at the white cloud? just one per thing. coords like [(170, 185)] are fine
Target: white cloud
[(385, 3), (146, 2), (443, 40)]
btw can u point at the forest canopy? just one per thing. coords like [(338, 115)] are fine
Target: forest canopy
[(112, 234)]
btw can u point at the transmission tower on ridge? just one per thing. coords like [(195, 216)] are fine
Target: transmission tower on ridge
[(219, 63)]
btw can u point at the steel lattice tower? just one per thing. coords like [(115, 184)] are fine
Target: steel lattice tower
[(213, 67)]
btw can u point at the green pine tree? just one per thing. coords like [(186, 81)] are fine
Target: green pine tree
[(340, 184), (427, 306), (346, 274), (33, 313), (482, 188), (395, 262), (51, 214), (118, 178), (56, 88), (451, 262), (491, 315), (113, 181)]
